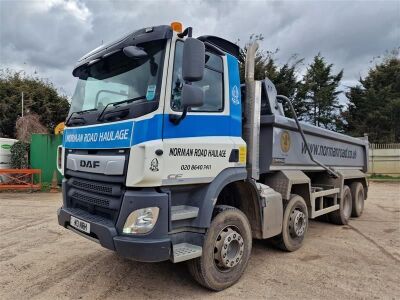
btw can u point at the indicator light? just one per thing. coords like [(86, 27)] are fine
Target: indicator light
[(177, 26)]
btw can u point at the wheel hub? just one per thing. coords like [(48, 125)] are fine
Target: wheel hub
[(229, 248), (298, 223)]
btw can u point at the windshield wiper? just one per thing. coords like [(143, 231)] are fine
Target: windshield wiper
[(79, 113), (118, 103)]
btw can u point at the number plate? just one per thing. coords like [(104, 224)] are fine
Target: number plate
[(80, 225)]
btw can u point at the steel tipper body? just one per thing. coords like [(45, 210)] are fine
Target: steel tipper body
[(164, 160), (288, 148)]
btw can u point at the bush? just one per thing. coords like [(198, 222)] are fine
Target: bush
[(40, 97), (20, 155), (28, 125)]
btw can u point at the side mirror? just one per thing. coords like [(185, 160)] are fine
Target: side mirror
[(134, 52), (193, 60), (192, 96)]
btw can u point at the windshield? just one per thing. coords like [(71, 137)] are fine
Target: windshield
[(118, 77)]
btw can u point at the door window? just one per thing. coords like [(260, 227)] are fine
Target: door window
[(212, 82)]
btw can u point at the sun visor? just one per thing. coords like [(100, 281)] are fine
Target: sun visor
[(137, 37), (222, 44)]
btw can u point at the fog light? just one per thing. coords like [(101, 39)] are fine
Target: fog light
[(141, 220)]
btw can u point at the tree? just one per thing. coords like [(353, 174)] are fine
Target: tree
[(287, 83), (284, 77), (319, 91), (40, 97), (374, 104)]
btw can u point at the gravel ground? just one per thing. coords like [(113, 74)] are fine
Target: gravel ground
[(41, 260)]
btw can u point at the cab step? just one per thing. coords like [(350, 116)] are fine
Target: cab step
[(182, 212), (185, 251)]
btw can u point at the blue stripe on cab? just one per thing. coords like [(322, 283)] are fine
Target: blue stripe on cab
[(107, 136), (147, 130), (234, 96)]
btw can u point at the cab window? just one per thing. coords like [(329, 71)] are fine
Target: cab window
[(212, 82)]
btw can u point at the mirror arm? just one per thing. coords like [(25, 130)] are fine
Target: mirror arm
[(187, 32), (176, 119)]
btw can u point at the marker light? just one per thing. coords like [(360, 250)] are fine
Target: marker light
[(177, 26), (59, 159), (141, 220)]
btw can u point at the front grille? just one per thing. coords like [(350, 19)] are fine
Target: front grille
[(90, 186), (96, 197), (82, 214), (97, 194), (93, 200)]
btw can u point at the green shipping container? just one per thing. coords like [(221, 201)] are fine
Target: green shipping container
[(43, 155)]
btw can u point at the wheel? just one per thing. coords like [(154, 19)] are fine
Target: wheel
[(226, 250), (357, 194), (342, 215), (294, 224)]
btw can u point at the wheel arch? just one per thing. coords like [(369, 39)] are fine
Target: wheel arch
[(362, 180), (207, 197), (288, 182), (244, 196), (303, 190)]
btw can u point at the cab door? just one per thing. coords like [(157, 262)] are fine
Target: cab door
[(198, 148)]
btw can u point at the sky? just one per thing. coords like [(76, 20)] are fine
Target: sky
[(47, 37)]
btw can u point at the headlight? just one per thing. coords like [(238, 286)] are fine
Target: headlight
[(141, 220)]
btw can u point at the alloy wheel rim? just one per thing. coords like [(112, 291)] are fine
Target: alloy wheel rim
[(297, 223), (228, 249)]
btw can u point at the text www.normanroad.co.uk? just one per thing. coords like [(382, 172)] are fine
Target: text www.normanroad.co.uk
[(323, 150)]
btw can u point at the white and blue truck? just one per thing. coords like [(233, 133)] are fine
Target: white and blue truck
[(167, 156)]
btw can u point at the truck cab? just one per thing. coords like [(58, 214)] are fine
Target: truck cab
[(126, 140), (161, 156)]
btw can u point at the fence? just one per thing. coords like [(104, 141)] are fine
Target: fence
[(20, 179), (384, 159), (43, 155)]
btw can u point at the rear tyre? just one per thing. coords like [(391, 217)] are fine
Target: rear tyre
[(342, 215), (226, 250), (358, 196), (294, 225)]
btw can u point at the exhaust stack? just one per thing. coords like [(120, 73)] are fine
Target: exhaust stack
[(251, 124)]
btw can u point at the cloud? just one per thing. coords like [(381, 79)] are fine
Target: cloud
[(49, 36)]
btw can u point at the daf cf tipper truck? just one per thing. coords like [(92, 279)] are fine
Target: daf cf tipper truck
[(166, 156)]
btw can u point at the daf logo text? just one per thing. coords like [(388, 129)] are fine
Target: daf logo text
[(89, 163)]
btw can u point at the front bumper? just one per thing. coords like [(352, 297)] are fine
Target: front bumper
[(102, 230), (152, 247)]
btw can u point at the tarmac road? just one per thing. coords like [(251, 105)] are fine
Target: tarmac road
[(41, 260)]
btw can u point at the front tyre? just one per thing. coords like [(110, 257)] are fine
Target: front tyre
[(226, 250)]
